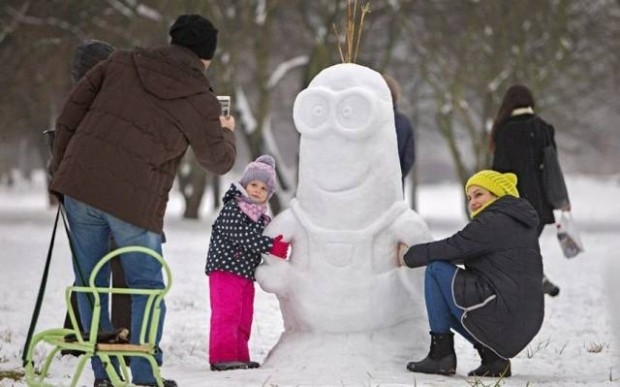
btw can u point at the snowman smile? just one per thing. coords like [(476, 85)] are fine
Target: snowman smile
[(343, 184)]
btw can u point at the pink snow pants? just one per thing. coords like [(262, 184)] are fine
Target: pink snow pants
[(232, 310)]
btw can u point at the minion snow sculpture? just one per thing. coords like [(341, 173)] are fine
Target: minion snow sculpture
[(342, 279)]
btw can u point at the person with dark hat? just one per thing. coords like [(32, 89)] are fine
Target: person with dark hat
[(496, 301), (196, 33), (120, 138), (88, 54)]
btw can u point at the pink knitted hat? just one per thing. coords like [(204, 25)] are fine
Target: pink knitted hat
[(262, 169)]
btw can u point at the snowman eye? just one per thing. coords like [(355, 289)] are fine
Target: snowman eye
[(353, 111), (313, 109)]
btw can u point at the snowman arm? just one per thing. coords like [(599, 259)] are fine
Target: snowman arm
[(407, 230), (411, 229), (284, 224), (274, 274)]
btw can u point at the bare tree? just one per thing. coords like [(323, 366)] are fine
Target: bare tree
[(453, 60), (470, 52)]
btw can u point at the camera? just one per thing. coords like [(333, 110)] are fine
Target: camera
[(224, 101)]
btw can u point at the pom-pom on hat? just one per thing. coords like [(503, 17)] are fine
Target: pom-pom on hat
[(499, 184), (196, 33), (262, 169), (87, 54)]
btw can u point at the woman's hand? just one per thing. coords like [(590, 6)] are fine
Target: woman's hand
[(402, 250)]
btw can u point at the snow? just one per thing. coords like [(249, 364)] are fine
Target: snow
[(581, 320)]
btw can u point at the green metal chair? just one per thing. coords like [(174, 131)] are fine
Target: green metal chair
[(71, 339)]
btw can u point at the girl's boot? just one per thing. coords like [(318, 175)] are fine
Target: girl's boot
[(441, 358), (492, 364)]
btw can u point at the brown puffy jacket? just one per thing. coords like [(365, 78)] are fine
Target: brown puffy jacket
[(125, 127)]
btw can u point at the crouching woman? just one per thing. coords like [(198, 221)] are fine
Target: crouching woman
[(495, 302)]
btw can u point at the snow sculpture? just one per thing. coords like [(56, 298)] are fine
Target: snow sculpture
[(342, 279)]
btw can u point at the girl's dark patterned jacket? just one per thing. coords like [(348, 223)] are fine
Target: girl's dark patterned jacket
[(236, 240)]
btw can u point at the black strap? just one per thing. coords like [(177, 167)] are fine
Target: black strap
[(37, 307), (43, 285)]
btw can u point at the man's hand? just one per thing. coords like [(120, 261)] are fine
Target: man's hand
[(228, 122)]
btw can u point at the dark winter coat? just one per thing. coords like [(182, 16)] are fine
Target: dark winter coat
[(500, 287), (519, 144), (236, 240), (126, 126), (406, 142)]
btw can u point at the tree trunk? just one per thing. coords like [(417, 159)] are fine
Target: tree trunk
[(193, 198)]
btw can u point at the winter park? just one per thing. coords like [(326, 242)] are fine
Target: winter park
[(352, 201), (577, 345)]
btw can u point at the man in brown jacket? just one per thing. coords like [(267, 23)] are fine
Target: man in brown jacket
[(119, 141)]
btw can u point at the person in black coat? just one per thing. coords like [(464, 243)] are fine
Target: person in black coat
[(404, 131), (517, 141), (495, 302)]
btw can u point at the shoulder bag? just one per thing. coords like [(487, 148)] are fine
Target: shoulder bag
[(552, 176)]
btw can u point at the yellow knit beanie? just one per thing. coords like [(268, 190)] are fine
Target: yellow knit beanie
[(499, 184)]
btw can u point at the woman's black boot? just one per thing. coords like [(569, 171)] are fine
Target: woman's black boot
[(441, 358), (492, 364)]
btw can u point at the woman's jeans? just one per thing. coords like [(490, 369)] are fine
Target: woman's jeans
[(90, 235), (232, 309), (443, 313)]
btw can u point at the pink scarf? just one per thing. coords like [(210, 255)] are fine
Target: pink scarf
[(251, 209)]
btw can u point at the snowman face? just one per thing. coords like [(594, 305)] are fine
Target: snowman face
[(348, 141), (341, 135)]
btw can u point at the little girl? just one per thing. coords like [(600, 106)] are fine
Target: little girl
[(234, 253)]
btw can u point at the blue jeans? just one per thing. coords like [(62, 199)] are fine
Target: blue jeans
[(90, 234), (443, 313)]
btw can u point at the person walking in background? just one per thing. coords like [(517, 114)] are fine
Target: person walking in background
[(87, 55), (119, 140), (496, 301), (234, 253), (404, 131), (517, 140)]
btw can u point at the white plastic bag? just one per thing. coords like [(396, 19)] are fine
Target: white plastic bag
[(568, 236)]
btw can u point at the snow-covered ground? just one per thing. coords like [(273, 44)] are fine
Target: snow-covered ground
[(577, 345)]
